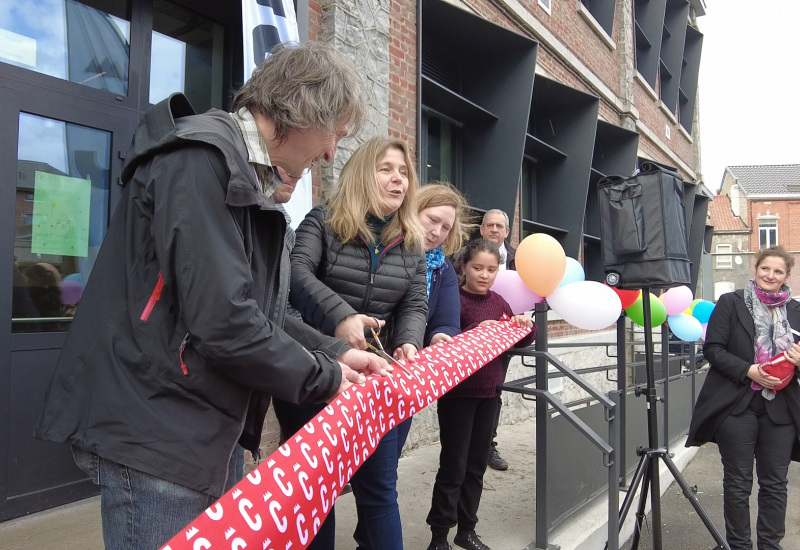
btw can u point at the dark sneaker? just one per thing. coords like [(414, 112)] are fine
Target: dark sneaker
[(469, 540), (439, 546), (496, 462)]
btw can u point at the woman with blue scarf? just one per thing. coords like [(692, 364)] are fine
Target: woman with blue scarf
[(442, 211), (738, 407)]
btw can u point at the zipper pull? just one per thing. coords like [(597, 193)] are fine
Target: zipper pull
[(184, 368), (371, 278), (376, 248)]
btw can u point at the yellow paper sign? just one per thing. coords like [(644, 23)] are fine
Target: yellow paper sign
[(61, 215)]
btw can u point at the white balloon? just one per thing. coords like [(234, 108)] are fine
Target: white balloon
[(586, 304)]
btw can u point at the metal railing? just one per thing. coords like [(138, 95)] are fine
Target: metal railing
[(614, 406)]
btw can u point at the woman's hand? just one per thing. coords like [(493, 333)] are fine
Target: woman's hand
[(351, 329), (522, 321), (793, 355), (406, 351), (764, 380), (441, 337), (487, 322)]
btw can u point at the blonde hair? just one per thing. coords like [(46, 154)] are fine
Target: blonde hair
[(358, 194), (436, 194)]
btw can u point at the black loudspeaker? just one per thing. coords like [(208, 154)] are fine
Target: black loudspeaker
[(643, 229)]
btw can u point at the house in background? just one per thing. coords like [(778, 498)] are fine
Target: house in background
[(757, 207)]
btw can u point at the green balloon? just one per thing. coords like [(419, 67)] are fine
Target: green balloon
[(658, 313), (694, 303)]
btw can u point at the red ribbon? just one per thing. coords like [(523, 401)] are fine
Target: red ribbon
[(283, 502)]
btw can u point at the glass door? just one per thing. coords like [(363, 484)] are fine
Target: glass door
[(59, 163)]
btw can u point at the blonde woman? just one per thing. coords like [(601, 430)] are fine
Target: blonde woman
[(359, 263)]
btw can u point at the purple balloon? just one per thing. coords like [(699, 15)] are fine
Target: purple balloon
[(71, 292), (509, 285)]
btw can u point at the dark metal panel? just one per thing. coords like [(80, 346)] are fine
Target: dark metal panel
[(615, 153), (494, 71), (574, 465), (697, 234), (566, 120), (679, 407), (649, 23), (603, 13), (689, 77), (672, 43)]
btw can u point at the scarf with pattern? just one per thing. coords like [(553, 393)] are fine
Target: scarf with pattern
[(435, 259), (773, 333)]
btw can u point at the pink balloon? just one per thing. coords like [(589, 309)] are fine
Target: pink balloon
[(677, 300), (71, 292), (509, 285), (705, 327)]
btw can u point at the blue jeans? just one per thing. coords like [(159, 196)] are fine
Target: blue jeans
[(140, 511), (375, 490)]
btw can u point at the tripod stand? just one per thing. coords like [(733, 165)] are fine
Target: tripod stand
[(647, 471)]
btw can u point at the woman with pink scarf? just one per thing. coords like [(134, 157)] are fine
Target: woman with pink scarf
[(739, 408)]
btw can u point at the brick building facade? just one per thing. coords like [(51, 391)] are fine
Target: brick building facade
[(756, 207)]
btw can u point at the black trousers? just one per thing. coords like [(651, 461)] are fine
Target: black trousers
[(465, 426), (506, 361), (742, 438)]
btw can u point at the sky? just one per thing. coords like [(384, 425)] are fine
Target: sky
[(749, 85)]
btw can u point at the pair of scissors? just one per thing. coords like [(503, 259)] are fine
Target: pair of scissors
[(379, 349)]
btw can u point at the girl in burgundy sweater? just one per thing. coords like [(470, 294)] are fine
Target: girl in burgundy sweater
[(466, 413)]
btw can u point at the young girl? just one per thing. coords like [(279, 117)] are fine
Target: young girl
[(466, 413)]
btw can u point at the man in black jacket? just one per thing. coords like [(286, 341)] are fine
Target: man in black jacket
[(182, 337)]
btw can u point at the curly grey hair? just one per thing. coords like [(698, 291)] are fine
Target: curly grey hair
[(303, 86)]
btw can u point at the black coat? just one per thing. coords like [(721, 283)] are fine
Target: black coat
[(729, 350), (181, 325), (332, 280)]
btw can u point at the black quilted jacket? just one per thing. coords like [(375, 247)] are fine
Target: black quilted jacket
[(331, 280)]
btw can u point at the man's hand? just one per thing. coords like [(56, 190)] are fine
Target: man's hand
[(349, 377), (351, 329), (365, 362), (406, 351), (441, 337)]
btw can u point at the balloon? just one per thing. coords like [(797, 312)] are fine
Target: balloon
[(702, 311), (694, 303), (658, 313), (75, 277), (541, 263), (586, 304), (685, 327), (573, 273), (509, 285), (71, 292), (705, 328), (627, 297), (677, 300)]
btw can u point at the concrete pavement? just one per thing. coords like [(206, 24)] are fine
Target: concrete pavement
[(506, 513)]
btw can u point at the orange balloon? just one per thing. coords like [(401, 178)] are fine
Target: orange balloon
[(541, 263)]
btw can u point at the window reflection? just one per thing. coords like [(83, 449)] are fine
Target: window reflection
[(84, 42), (61, 217), (187, 56)]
